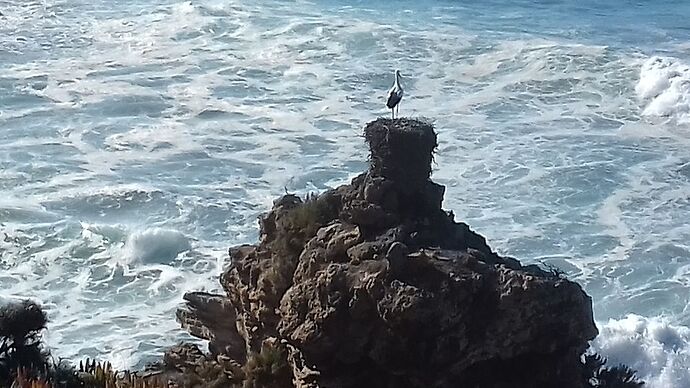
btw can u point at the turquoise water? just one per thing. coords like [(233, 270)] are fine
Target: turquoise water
[(140, 139)]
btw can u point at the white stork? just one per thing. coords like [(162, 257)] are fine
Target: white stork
[(395, 95)]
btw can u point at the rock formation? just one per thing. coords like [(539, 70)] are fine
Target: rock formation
[(373, 284)]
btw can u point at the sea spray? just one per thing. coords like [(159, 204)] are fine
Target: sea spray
[(664, 88), (155, 245), (656, 349)]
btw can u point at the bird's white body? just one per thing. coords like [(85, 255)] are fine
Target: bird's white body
[(395, 94)]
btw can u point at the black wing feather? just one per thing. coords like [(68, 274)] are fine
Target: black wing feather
[(393, 100)]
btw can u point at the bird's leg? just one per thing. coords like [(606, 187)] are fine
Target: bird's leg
[(397, 110), (392, 113)]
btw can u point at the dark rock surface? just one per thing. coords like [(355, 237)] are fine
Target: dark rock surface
[(373, 284)]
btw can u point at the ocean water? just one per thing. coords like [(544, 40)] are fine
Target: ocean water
[(139, 139)]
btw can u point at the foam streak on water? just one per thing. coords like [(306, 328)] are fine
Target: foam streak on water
[(139, 139)]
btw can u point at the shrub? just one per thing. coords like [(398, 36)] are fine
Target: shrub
[(600, 376), (94, 374), (554, 271), (23, 379), (21, 324), (312, 214), (269, 368)]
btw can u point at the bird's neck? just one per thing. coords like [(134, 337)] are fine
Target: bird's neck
[(397, 80)]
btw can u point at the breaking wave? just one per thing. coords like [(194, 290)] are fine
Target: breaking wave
[(664, 88), (656, 349)]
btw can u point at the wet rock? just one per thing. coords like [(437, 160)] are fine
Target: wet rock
[(373, 284)]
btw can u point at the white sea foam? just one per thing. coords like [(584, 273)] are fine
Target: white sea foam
[(156, 245), (664, 88), (656, 349)]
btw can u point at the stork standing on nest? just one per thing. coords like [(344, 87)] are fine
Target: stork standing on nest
[(395, 95)]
